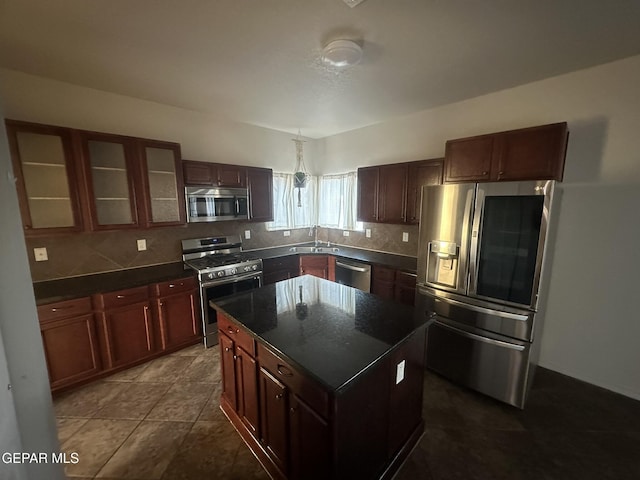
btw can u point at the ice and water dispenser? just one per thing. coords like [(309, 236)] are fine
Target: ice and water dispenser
[(442, 263)]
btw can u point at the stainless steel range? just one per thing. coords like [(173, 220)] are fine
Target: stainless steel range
[(223, 269)]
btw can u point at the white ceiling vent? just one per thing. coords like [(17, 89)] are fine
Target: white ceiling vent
[(353, 3)]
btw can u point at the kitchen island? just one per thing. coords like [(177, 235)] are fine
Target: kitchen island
[(322, 380)]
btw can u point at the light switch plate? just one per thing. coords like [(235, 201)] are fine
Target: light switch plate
[(345, 233), (405, 236), (367, 232), (40, 254), (247, 234), (142, 244), (287, 233), (400, 371)]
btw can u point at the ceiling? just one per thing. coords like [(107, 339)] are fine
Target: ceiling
[(257, 61)]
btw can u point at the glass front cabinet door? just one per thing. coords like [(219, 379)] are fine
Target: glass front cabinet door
[(46, 177)]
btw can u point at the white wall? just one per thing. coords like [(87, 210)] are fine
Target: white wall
[(202, 137), (592, 321), (26, 412)]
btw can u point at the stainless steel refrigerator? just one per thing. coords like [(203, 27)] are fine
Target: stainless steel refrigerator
[(480, 257)]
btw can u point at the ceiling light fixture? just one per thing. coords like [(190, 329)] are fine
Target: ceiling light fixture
[(341, 53)]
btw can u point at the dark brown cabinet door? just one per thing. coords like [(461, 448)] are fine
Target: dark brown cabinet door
[(127, 333), (227, 365), (281, 268), (47, 171), (392, 191), (161, 196), (405, 287), (310, 442), (71, 350), (275, 419), (532, 153), (468, 159), (179, 319), (383, 282), (368, 194), (110, 177), (247, 383), (199, 173), (427, 172), (231, 175), (260, 183), (316, 265)]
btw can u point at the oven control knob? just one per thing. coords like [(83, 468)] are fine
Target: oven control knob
[(254, 267), (221, 273), (210, 275), (233, 271)]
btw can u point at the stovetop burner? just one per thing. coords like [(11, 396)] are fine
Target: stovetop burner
[(219, 257), (219, 260)]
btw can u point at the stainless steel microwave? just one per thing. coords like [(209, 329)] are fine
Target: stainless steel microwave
[(215, 204)]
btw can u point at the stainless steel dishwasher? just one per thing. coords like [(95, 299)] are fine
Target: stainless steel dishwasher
[(353, 274)]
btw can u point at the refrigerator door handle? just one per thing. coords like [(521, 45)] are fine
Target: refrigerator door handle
[(463, 281), (480, 338), (475, 241), (488, 311)]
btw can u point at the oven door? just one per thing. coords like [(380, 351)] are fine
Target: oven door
[(215, 289)]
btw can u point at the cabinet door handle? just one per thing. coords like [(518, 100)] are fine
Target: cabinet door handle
[(60, 308), (231, 330), (279, 396), (282, 370), (161, 304), (171, 285), (227, 349), (119, 296), (292, 409)]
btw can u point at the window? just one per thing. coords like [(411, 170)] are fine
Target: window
[(337, 202), (286, 212)]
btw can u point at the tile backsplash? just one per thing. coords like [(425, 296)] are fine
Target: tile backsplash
[(86, 253)]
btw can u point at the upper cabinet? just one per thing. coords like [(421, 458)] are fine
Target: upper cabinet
[(73, 180), (47, 177), (214, 174), (260, 183), (391, 193), (535, 153), (162, 183), (109, 171)]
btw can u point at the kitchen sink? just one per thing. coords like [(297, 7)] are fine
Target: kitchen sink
[(314, 249)]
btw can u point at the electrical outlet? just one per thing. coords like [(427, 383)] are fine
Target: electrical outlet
[(247, 234), (142, 244), (367, 232), (287, 233), (405, 236), (345, 233), (40, 254)]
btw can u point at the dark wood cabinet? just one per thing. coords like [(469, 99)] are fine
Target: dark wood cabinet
[(316, 265), (176, 307), (47, 173), (260, 185), (125, 326), (535, 153), (382, 193), (393, 284), (309, 439), (274, 436), (239, 373), (214, 174), (70, 343), (280, 268), (426, 172), (391, 193)]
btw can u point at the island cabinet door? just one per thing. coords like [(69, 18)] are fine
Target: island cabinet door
[(275, 420), (227, 361), (310, 442), (247, 390)]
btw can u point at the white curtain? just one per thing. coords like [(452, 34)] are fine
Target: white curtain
[(286, 212), (337, 202)]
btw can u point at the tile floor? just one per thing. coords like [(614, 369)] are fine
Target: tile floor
[(161, 421)]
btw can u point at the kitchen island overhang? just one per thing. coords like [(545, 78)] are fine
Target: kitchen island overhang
[(322, 380)]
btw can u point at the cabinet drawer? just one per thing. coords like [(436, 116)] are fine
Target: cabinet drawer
[(65, 309), (313, 261), (302, 386), (238, 335), (280, 263), (174, 286), (122, 297), (383, 274)]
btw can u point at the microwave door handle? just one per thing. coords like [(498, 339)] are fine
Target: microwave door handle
[(237, 202)]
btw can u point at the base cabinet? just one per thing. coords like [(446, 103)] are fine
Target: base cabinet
[(70, 342), (394, 284), (308, 432), (176, 307), (280, 268), (322, 266)]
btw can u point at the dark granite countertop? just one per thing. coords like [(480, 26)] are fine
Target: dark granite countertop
[(339, 333), (75, 287), (400, 262)]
